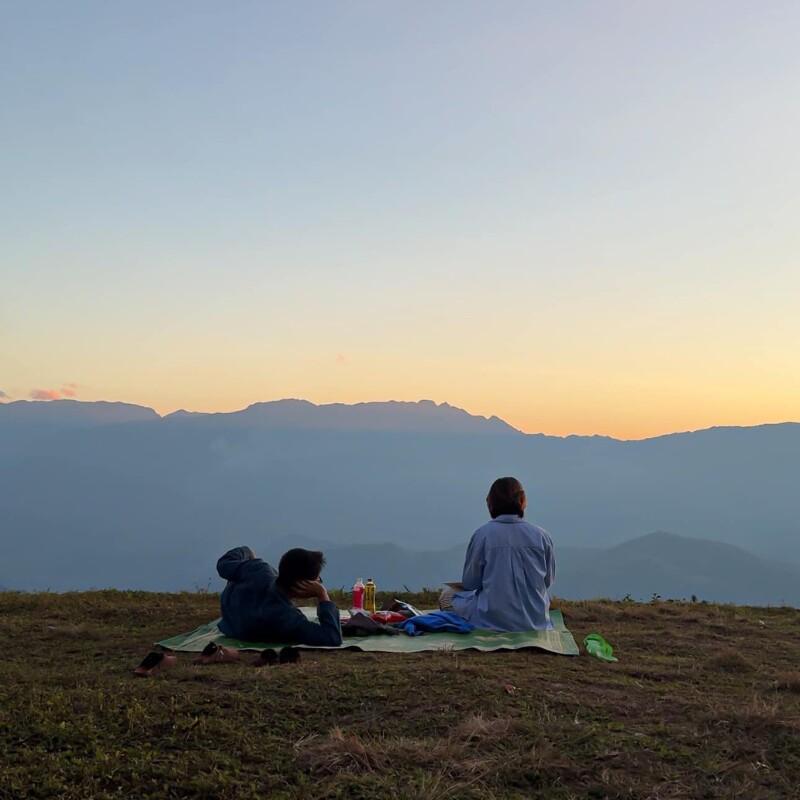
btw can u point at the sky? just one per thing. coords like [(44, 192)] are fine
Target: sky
[(580, 217)]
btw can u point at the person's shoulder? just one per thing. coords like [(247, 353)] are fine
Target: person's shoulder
[(484, 529), (537, 530), (256, 572)]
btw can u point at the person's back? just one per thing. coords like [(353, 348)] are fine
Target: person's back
[(256, 604), (509, 566)]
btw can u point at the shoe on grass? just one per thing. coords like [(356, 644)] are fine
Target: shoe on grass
[(155, 663), (214, 653), (266, 658), (289, 655)]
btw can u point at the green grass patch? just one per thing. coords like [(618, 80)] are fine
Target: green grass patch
[(703, 702)]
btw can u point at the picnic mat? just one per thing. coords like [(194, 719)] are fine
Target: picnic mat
[(559, 640)]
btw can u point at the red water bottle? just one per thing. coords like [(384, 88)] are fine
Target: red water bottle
[(358, 595)]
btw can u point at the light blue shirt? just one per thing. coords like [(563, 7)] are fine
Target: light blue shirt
[(508, 569)]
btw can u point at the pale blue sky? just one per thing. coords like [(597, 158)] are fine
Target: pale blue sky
[(580, 217)]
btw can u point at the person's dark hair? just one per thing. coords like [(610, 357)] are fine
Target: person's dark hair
[(298, 564), (506, 497)]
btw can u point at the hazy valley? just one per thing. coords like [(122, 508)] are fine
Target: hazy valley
[(103, 494)]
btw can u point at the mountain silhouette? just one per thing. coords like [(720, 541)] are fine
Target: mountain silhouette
[(72, 412), (679, 567), (662, 564), (147, 502), (422, 416)]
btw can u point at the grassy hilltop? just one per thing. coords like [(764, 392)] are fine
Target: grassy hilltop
[(704, 703)]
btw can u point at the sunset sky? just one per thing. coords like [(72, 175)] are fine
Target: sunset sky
[(583, 218)]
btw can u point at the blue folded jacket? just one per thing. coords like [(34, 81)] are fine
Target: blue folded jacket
[(435, 622)]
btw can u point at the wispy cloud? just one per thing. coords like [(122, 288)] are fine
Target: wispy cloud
[(67, 390), (4, 396), (45, 394), (340, 359)]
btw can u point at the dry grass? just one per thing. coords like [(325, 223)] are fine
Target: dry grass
[(349, 751), (730, 661), (339, 751), (476, 728), (704, 703), (789, 682)]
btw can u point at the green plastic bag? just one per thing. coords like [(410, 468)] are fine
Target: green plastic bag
[(598, 647)]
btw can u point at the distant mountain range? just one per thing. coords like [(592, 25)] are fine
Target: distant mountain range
[(72, 413), (424, 416), (659, 564), (669, 566), (97, 494)]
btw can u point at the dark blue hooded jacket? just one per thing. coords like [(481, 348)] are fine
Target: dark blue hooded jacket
[(254, 609)]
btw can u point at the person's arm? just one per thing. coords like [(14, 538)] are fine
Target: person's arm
[(229, 563), (328, 633), (550, 557), (474, 563)]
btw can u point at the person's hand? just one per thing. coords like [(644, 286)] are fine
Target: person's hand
[(311, 589)]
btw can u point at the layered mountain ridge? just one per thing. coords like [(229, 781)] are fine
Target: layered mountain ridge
[(115, 495)]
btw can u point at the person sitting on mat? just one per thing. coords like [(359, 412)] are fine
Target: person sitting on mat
[(256, 604), (508, 569)]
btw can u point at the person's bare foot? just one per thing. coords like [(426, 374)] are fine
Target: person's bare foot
[(214, 653), (155, 663)]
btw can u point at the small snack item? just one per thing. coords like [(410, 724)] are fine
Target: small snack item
[(406, 609), (388, 617)]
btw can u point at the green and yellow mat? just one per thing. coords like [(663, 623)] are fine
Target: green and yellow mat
[(559, 640)]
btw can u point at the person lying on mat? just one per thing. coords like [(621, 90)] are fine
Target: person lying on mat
[(256, 604), (508, 569)]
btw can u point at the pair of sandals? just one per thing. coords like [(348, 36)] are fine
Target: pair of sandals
[(269, 658), (213, 653)]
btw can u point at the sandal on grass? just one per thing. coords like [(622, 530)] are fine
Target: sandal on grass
[(154, 663), (266, 658), (289, 655), (214, 653)]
